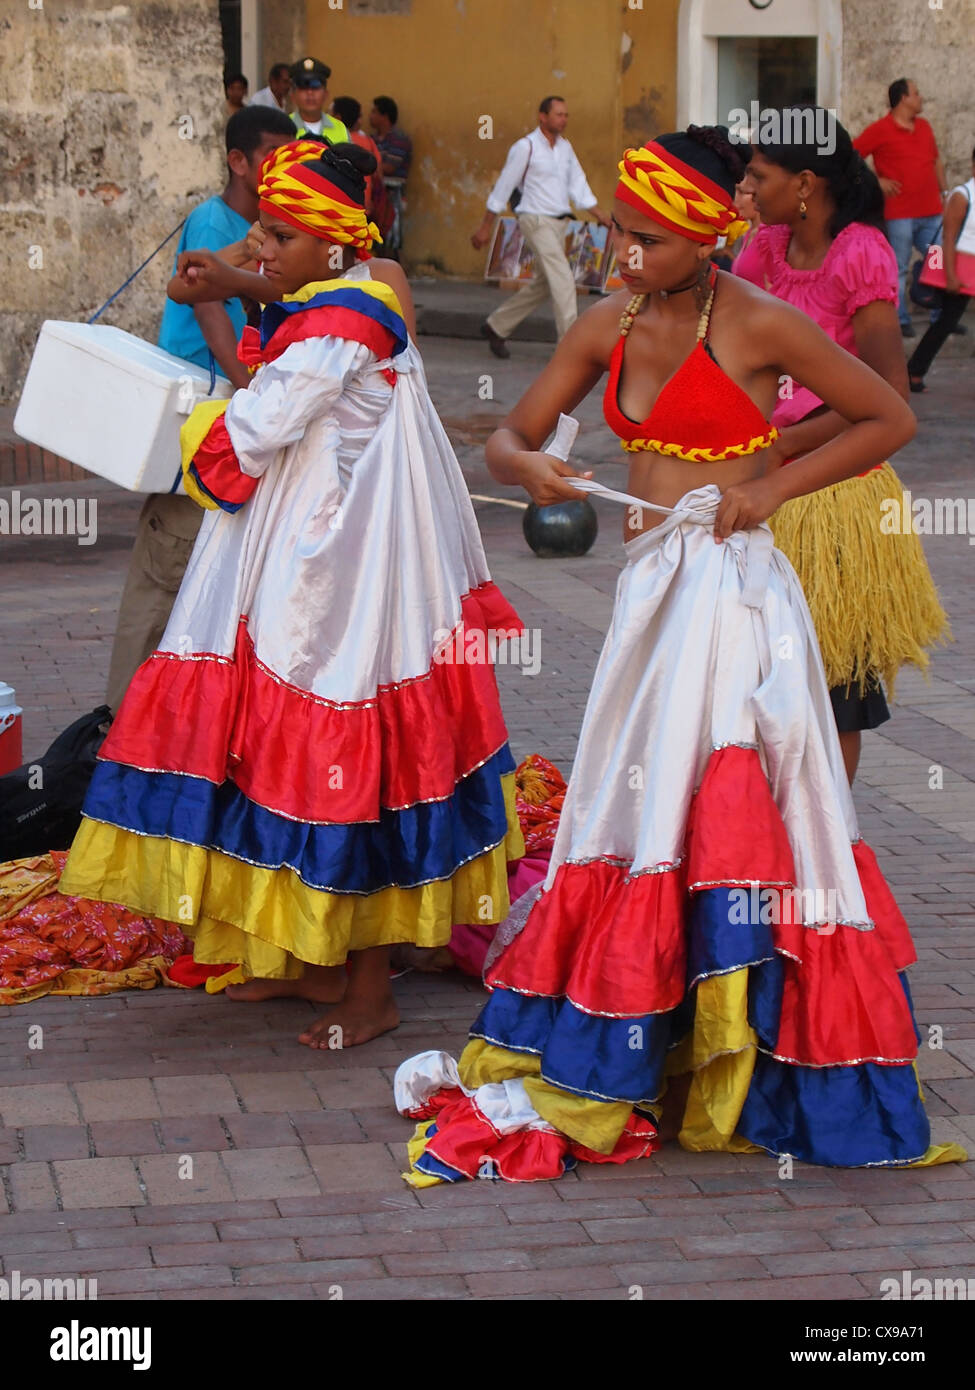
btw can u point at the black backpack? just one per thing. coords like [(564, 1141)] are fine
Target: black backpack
[(44, 816)]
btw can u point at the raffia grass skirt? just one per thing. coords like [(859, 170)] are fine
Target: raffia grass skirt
[(873, 601)]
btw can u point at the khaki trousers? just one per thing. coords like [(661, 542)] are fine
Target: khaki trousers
[(163, 544), (546, 237)]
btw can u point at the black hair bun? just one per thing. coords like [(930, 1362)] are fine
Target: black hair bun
[(716, 138), (346, 165), (352, 159)]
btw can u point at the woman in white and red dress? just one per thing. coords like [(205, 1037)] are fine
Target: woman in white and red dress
[(297, 776), (714, 947)]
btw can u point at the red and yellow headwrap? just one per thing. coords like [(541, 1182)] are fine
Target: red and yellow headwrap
[(294, 192), (656, 183)]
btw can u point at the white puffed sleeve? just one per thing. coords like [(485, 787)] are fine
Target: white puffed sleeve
[(287, 394)]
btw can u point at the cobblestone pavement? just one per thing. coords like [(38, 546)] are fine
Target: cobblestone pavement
[(296, 1156)]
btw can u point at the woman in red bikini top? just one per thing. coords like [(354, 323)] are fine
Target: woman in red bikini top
[(695, 356), (731, 426)]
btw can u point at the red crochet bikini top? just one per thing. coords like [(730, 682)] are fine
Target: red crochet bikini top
[(700, 414)]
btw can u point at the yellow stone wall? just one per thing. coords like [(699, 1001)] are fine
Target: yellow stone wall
[(447, 63)]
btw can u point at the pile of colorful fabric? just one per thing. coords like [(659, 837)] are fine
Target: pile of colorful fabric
[(493, 1132), (53, 944), (539, 793)]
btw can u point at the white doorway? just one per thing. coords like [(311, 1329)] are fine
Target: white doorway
[(250, 57), (240, 32), (775, 52)]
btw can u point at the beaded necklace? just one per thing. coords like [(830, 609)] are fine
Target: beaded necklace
[(635, 304)]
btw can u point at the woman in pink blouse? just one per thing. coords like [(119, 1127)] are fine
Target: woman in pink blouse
[(821, 248)]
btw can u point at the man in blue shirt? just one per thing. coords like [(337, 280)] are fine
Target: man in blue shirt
[(168, 524), (195, 333)]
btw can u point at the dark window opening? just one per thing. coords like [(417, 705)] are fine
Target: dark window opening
[(772, 71), (230, 31)]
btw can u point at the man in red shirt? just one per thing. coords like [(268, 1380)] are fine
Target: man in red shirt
[(912, 176)]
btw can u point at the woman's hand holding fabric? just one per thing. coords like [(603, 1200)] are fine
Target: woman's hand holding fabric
[(544, 478), (746, 505)]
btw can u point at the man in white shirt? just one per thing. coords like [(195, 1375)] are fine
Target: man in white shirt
[(544, 167), (278, 88)]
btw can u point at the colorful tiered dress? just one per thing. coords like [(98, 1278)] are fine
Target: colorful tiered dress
[(710, 907), (304, 768)]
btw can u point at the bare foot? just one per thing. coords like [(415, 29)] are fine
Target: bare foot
[(432, 958), (321, 984), (672, 1112), (667, 1133), (354, 1021)]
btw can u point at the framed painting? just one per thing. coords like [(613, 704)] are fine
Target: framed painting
[(586, 245), (611, 280), (586, 249), (508, 256)]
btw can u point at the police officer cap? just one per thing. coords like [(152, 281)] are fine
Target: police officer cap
[(310, 67)]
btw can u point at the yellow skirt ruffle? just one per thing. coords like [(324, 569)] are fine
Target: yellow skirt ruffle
[(267, 920)]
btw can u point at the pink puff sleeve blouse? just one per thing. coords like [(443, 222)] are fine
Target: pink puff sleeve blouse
[(860, 267)]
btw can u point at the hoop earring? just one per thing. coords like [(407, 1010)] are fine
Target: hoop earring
[(802, 208)]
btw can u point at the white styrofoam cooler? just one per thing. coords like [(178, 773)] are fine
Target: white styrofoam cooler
[(109, 402)]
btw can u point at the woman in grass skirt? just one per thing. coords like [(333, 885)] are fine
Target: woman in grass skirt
[(822, 248)]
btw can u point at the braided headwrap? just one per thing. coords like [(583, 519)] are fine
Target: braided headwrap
[(300, 186), (656, 183)]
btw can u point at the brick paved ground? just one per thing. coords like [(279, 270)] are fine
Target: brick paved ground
[(296, 1156)]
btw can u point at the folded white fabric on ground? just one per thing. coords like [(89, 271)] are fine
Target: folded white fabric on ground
[(504, 1104)]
